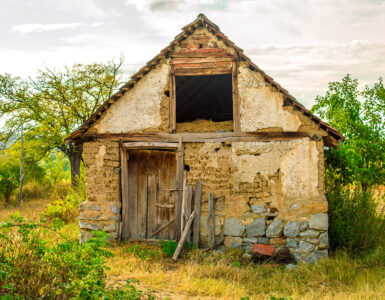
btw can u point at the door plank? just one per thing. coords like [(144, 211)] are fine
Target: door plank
[(153, 165), (142, 194), (132, 230), (124, 186)]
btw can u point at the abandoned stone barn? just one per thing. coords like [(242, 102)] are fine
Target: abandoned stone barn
[(201, 128)]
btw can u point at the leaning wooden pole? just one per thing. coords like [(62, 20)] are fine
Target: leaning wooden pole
[(183, 237), (21, 165)]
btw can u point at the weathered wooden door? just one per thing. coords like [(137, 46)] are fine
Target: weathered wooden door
[(151, 197)]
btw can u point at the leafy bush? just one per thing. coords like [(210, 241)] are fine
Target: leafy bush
[(168, 247), (354, 222), (34, 268), (66, 209), (9, 177)]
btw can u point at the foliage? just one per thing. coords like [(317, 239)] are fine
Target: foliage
[(168, 247), (355, 224), (53, 105), (66, 209), (32, 268), (9, 176), (360, 117), (56, 168), (142, 253)]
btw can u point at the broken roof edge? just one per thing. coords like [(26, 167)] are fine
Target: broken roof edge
[(187, 30)]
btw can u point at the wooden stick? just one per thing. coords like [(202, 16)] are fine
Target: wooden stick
[(197, 209), (188, 208), (184, 192), (162, 228), (210, 222), (183, 237)]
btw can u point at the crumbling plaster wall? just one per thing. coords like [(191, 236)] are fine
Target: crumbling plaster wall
[(101, 211), (143, 108), (258, 184)]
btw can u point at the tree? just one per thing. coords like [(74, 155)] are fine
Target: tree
[(54, 104), (359, 116)]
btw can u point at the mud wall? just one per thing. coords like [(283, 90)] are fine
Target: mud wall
[(101, 211), (258, 185)]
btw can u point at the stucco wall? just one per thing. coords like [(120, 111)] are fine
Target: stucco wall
[(141, 108)]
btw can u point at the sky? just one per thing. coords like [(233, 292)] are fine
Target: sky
[(302, 44)]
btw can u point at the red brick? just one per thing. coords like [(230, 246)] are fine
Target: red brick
[(263, 249)]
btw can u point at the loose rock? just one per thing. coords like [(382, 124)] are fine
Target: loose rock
[(319, 221), (233, 227), (258, 208), (306, 246), (324, 241), (291, 229), (309, 234), (257, 228), (233, 242), (275, 229), (263, 249)]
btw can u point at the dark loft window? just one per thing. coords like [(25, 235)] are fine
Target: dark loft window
[(208, 97)]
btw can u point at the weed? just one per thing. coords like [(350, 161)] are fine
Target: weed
[(168, 247), (144, 254)]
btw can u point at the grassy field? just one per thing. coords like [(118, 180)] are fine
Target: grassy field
[(200, 275)]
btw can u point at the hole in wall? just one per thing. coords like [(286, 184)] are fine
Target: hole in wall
[(187, 168), (167, 93), (200, 46), (207, 97)]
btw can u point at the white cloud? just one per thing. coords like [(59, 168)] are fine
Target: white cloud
[(37, 27)]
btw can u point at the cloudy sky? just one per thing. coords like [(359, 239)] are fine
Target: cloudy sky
[(302, 44)]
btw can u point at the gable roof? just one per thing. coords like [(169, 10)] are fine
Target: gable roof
[(187, 30)]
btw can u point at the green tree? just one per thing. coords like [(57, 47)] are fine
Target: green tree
[(9, 176), (54, 104), (359, 116)]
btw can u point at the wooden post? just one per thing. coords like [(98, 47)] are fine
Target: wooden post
[(124, 187), (21, 164), (210, 222), (183, 237), (183, 208), (188, 209), (179, 187), (197, 209)]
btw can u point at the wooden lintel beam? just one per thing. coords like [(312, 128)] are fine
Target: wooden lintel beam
[(170, 138)]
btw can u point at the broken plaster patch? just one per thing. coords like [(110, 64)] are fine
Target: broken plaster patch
[(261, 157), (100, 156)]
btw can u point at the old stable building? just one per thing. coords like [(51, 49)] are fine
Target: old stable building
[(201, 128)]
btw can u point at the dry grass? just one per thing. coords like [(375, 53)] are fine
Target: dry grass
[(30, 210), (229, 276), (216, 276)]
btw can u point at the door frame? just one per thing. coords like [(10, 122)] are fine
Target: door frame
[(124, 147)]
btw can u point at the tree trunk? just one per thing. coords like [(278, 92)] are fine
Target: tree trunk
[(75, 157), (21, 165)]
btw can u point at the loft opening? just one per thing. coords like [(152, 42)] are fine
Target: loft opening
[(205, 97)]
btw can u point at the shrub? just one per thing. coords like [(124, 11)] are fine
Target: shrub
[(34, 268), (354, 222), (168, 247), (9, 177), (66, 209)]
